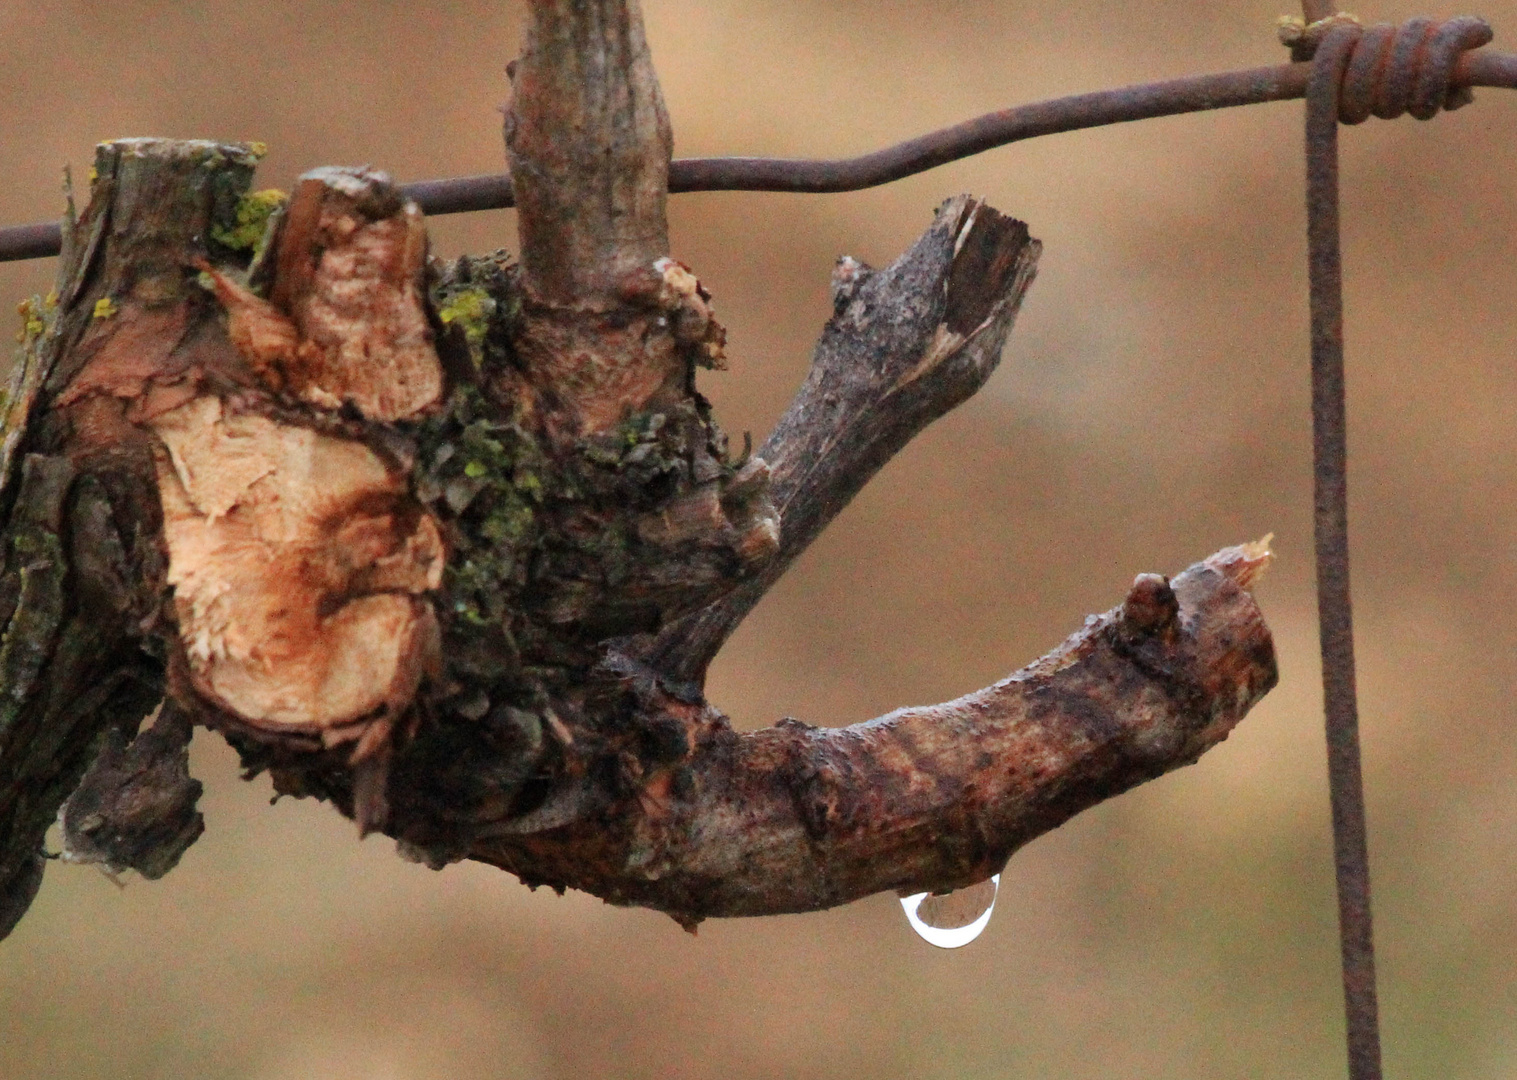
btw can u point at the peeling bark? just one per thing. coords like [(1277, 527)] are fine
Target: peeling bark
[(135, 808), (83, 558), (451, 546)]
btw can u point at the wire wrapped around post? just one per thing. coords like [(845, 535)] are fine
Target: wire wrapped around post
[(1383, 71), (1334, 610)]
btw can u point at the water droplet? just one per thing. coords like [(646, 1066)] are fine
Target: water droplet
[(955, 918)]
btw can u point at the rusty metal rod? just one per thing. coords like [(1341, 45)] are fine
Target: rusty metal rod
[(1197, 93), (1334, 609), (30, 241)]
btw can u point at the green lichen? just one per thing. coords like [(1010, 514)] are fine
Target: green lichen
[(251, 219), (105, 308), (469, 309), (548, 553), (644, 457), (483, 472), (476, 298), (529, 485)]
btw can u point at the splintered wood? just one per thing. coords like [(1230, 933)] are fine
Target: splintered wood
[(298, 564), (346, 324), (298, 558)]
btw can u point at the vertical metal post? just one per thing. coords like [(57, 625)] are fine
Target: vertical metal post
[(1335, 615)]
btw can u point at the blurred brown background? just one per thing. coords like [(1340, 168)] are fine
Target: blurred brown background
[(1151, 407)]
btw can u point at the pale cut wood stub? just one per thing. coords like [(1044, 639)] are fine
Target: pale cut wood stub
[(298, 561), (345, 323), (452, 546), (299, 571), (288, 570)]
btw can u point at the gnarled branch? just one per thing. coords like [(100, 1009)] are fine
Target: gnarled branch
[(904, 346), (452, 546), (797, 818)]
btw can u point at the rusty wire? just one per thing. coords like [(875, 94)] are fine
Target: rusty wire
[(1346, 73), (1356, 72), (1334, 608), (1197, 93)]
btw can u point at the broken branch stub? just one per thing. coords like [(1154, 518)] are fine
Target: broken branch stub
[(904, 346), (135, 808), (297, 558), (349, 273)]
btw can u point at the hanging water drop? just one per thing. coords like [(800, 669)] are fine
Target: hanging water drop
[(952, 919)]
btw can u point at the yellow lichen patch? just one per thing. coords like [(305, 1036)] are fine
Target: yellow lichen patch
[(33, 320), (470, 309), (299, 563), (105, 307), (252, 218)]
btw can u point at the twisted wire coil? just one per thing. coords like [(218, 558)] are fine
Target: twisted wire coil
[(1390, 70)]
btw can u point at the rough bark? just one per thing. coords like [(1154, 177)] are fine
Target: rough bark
[(797, 818), (605, 327), (589, 144), (904, 346), (84, 563), (452, 546)]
